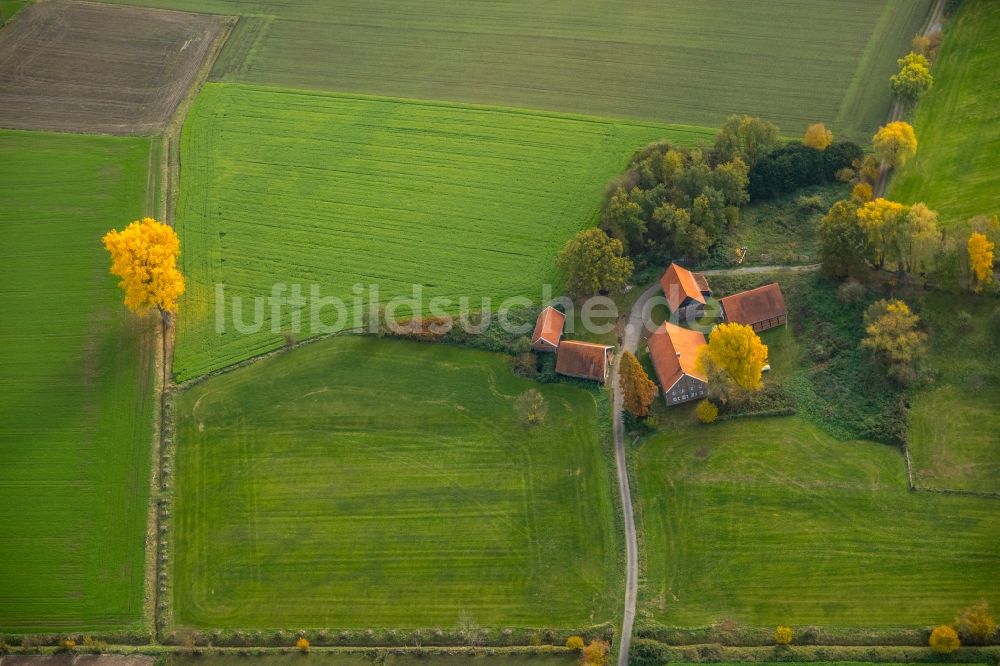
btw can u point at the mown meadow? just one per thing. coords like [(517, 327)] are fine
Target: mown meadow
[(957, 167), (955, 424), (306, 188), (771, 521), (359, 483), (677, 61), (76, 388)]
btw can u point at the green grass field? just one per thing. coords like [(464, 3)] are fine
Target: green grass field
[(957, 167), (680, 61), (955, 424), (75, 393), (771, 521), (306, 188), (358, 483)]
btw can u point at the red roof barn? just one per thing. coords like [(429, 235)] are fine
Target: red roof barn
[(548, 330), (584, 360), (683, 288), (761, 308)]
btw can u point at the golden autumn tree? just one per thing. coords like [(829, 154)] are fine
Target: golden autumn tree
[(817, 136), (944, 639), (596, 653), (733, 360), (891, 332), (302, 644), (895, 143), (980, 260), (881, 220), (638, 390), (144, 256), (975, 624), (783, 635)]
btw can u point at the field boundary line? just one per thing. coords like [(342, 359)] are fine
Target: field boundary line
[(156, 579), (935, 17)]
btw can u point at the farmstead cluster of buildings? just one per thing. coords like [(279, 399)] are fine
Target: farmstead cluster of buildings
[(673, 349)]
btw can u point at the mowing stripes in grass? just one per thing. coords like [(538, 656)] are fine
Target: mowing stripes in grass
[(305, 188), (75, 394), (365, 483), (957, 167), (770, 521), (691, 61), (955, 424)]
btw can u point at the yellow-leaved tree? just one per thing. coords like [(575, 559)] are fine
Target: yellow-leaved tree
[(817, 136), (144, 256), (638, 390), (891, 332), (944, 639), (881, 219), (733, 360), (980, 260), (895, 143)]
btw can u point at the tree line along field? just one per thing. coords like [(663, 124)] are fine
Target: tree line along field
[(682, 61), (957, 167), (771, 521), (76, 391), (363, 483), (308, 188)]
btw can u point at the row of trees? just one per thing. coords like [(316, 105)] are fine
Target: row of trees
[(856, 236)]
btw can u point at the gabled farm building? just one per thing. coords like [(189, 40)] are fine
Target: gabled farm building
[(686, 292), (584, 360), (674, 352), (761, 308), (548, 330)]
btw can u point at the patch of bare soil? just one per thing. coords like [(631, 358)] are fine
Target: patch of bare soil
[(88, 67), (77, 660)]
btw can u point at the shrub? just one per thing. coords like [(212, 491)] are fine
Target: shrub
[(521, 345), (783, 635), (706, 411), (862, 193), (944, 639), (809, 203), (67, 644), (975, 624), (844, 175), (964, 320), (530, 407), (851, 291), (302, 644), (574, 643), (596, 653), (526, 364)]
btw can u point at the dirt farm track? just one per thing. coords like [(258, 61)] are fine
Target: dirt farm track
[(93, 68)]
